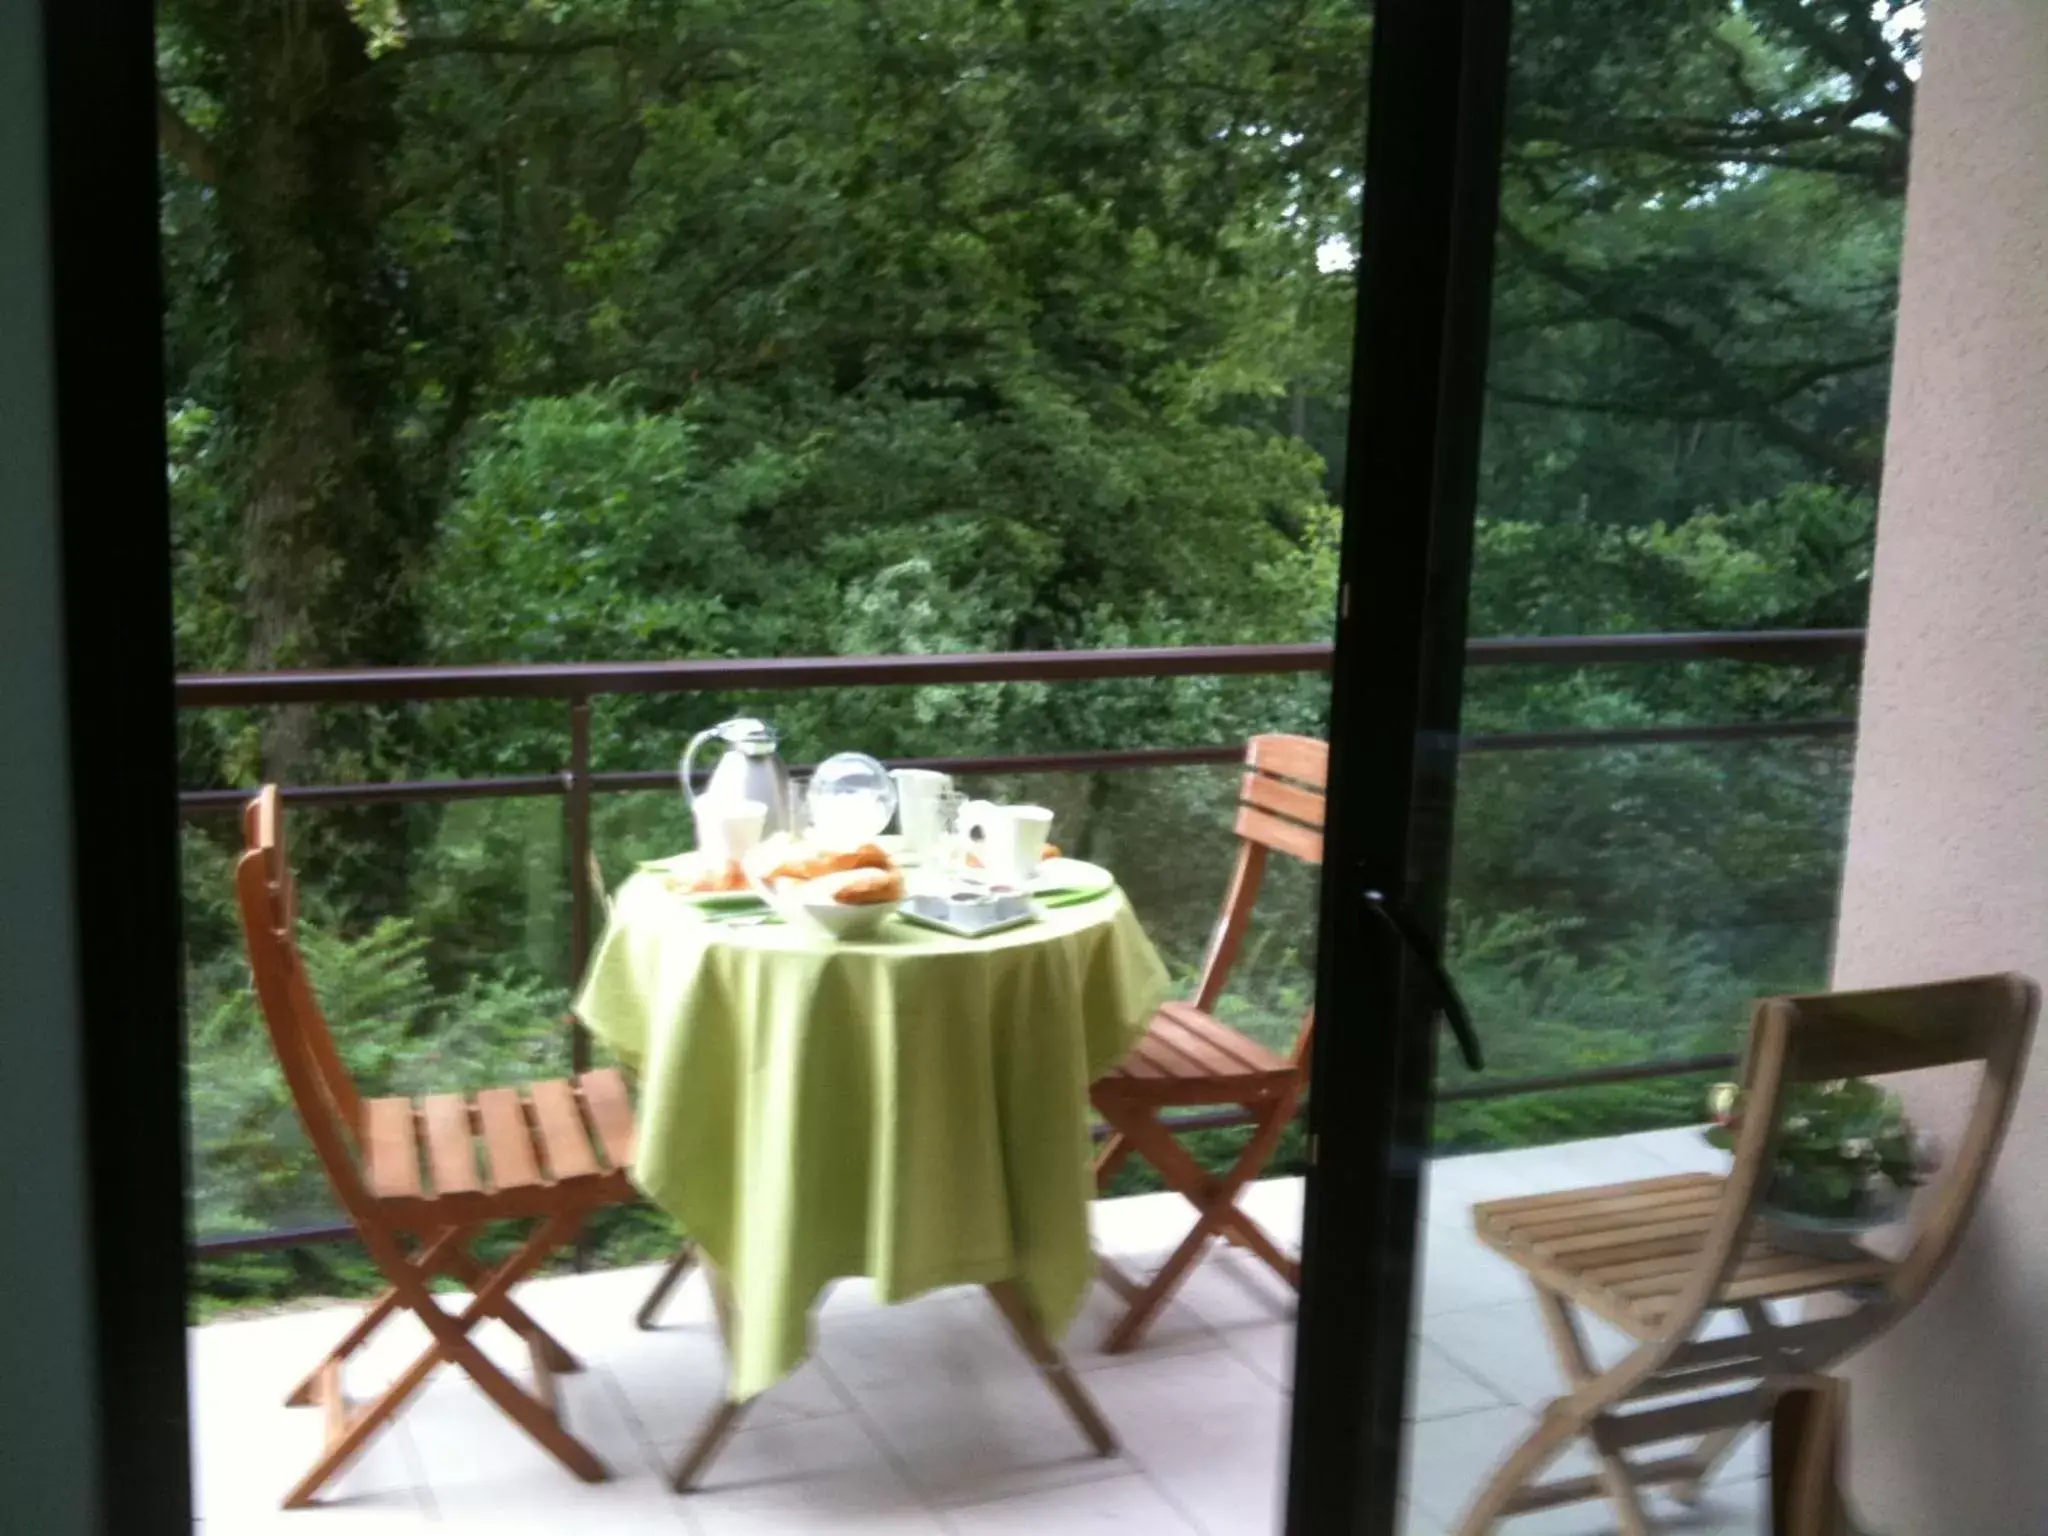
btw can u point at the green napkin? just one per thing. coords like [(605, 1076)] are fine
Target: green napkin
[(1072, 895)]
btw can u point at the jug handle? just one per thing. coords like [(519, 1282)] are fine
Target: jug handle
[(696, 741)]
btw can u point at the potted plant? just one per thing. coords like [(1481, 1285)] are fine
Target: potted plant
[(1847, 1161)]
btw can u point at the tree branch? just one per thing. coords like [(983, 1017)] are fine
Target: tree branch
[(1733, 397), (449, 44), (1592, 407), (184, 143)]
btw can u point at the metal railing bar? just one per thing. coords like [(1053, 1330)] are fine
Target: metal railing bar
[(398, 792), (735, 675), (1656, 735), (566, 680), (1764, 645), (270, 1241), (425, 791), (1592, 1077)]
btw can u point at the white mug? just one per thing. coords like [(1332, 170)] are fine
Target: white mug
[(728, 829), (922, 798), (1012, 837)]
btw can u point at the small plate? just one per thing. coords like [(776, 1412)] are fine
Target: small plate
[(1070, 877), (971, 918)]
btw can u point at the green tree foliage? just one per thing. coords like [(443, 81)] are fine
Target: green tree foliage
[(501, 330)]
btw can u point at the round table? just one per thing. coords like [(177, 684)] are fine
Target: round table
[(913, 1107)]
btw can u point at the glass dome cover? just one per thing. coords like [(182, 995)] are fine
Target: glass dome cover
[(852, 798)]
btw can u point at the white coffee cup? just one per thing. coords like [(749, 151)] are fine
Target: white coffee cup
[(1012, 838), (728, 829), (922, 797)]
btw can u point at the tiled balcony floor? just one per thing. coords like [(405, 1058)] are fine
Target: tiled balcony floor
[(924, 1418)]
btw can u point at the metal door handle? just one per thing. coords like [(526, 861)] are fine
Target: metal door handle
[(1453, 1006)]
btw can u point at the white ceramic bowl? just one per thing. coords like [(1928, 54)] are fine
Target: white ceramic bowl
[(840, 919), (812, 903)]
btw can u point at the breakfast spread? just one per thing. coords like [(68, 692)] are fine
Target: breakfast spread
[(813, 851)]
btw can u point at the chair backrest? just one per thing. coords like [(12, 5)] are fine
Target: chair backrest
[(322, 1090), (1280, 810), (1987, 1020)]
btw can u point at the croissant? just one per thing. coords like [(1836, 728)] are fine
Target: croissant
[(870, 887)]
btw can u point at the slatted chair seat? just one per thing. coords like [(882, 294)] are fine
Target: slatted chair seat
[(1626, 1251), (418, 1181), (1658, 1257), (500, 1153), (1188, 1057)]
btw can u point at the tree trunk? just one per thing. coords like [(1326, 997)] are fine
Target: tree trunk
[(329, 534)]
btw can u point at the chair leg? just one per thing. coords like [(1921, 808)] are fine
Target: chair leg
[(1154, 1294), (1554, 1432), (1114, 1154), (546, 1347), (1214, 1198), (1569, 1345), (679, 1266), (1564, 1420), (1706, 1455), (1030, 1336), (351, 1431), (308, 1391)]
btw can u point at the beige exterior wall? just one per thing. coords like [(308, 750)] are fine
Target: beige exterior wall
[(1948, 845)]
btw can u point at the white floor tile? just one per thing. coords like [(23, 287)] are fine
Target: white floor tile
[(1135, 1224), (672, 1377), (1267, 1348), (1231, 1287), (968, 1440), (1450, 1459), (641, 1503), (1458, 1271), (1115, 1506), (952, 1335), (1275, 1204), (1209, 1430), (1721, 1514), (373, 1518), (1175, 1327), (603, 1303), (1683, 1150), (471, 1450), (246, 1456), (1504, 1346), (806, 1476), (1440, 1387)]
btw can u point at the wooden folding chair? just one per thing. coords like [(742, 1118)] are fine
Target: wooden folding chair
[(409, 1178), (1187, 1057), (1657, 1256)]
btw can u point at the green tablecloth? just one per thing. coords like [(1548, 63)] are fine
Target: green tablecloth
[(913, 1108)]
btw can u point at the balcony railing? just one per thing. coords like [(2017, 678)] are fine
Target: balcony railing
[(576, 685)]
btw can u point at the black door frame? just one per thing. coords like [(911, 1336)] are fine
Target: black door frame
[(1424, 271), (106, 327), (1439, 82)]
